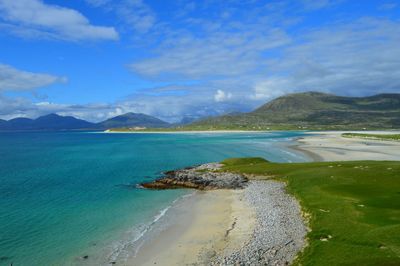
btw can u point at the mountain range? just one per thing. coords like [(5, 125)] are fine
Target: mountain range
[(308, 110), (57, 122), (314, 110)]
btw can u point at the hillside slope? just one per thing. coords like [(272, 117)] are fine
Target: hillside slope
[(314, 110), (133, 120), (56, 122), (47, 122)]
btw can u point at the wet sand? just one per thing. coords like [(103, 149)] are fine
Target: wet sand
[(199, 228), (331, 146)]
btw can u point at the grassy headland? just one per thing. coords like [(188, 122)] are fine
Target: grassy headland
[(353, 207), (395, 137)]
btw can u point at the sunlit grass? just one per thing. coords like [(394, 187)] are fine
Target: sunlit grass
[(354, 207), (395, 137)]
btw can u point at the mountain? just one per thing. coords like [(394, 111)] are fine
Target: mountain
[(21, 123), (57, 122), (315, 110), (2, 122), (133, 120), (47, 122)]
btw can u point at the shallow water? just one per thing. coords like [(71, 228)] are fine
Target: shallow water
[(67, 195)]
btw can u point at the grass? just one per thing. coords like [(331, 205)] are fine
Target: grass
[(353, 207), (395, 137)]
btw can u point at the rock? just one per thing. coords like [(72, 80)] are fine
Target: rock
[(202, 177)]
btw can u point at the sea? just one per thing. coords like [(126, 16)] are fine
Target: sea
[(73, 198)]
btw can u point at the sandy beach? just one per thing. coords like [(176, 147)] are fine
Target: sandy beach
[(199, 228), (331, 146), (258, 225)]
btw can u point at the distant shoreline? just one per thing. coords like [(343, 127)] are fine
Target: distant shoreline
[(189, 131), (246, 131), (332, 146)]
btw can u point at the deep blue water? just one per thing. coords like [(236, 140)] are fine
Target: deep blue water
[(66, 195)]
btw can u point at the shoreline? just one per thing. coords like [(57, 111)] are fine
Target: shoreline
[(180, 238), (315, 157), (242, 226), (228, 227), (331, 146), (394, 131), (187, 132), (239, 222)]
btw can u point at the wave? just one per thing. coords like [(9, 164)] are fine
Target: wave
[(122, 250)]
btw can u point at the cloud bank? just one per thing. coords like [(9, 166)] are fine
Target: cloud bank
[(35, 19), (221, 56), (12, 79)]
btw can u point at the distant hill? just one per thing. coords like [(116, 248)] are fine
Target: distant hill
[(315, 110), (47, 122), (133, 120), (57, 122), (21, 123)]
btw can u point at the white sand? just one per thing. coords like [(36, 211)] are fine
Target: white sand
[(331, 146), (199, 229)]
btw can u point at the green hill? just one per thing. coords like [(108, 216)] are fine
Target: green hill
[(132, 120), (314, 110)]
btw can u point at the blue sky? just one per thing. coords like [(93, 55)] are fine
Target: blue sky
[(99, 58)]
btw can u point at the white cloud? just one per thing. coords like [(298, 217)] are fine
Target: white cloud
[(356, 58), (13, 79), (34, 18), (271, 88), (249, 57), (388, 6), (136, 14), (219, 54), (222, 96), (319, 4), (21, 107)]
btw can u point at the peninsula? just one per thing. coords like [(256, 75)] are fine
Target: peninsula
[(261, 212)]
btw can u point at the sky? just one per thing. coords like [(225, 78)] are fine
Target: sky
[(95, 59)]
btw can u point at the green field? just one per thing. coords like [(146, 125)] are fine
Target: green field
[(353, 207), (395, 137)]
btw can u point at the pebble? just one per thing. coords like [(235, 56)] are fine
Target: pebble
[(280, 230)]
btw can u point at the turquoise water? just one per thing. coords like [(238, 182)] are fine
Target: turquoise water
[(67, 195)]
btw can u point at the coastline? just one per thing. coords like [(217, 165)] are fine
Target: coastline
[(331, 146), (241, 225), (182, 239), (238, 222), (260, 224), (186, 132)]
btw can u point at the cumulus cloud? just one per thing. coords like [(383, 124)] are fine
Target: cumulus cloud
[(12, 79), (221, 96), (35, 19)]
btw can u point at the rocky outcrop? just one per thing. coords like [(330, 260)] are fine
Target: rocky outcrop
[(206, 176)]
